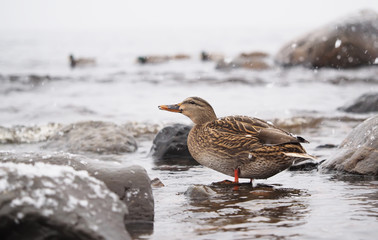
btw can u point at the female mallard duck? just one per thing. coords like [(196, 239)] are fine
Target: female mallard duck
[(238, 146)]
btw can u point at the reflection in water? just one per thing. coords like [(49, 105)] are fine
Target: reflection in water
[(249, 211), (366, 200)]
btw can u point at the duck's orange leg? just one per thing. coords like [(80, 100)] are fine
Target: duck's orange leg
[(236, 175)]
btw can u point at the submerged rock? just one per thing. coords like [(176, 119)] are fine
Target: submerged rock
[(130, 183), (93, 136), (350, 42), (199, 192), (367, 102), (171, 143), (45, 201), (25, 134), (358, 153)]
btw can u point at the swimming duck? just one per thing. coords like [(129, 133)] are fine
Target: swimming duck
[(76, 62), (238, 146)]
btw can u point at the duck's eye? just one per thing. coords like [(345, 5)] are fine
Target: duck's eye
[(192, 102)]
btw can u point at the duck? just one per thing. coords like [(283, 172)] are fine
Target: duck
[(81, 62), (238, 146)]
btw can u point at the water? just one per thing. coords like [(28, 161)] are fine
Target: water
[(40, 93)]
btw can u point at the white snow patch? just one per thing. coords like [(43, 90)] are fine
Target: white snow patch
[(3, 184), (20, 215), (83, 162), (73, 203), (338, 43)]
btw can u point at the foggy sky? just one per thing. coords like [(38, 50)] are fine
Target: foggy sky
[(115, 14)]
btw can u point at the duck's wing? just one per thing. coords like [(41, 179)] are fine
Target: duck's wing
[(242, 127)]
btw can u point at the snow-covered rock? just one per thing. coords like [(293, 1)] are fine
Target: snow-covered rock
[(45, 201), (131, 183)]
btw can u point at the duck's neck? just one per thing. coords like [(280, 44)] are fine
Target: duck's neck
[(204, 117)]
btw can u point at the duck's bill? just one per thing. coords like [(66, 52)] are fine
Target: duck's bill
[(171, 108)]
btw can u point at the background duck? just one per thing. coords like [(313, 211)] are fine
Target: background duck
[(81, 62), (238, 146)]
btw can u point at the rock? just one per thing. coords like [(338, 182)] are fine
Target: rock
[(45, 201), (306, 165), (171, 144), (358, 153), (327, 145), (367, 102), (130, 183), (93, 136), (28, 134), (347, 43), (199, 192)]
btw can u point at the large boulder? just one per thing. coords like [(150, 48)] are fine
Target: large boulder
[(170, 145), (349, 42), (45, 201), (358, 153), (130, 183), (367, 102), (93, 136)]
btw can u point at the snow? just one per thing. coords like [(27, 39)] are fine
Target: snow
[(74, 202), (54, 179), (338, 43)]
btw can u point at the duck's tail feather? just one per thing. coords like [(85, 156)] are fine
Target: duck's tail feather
[(300, 155)]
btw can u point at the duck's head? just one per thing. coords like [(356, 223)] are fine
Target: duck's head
[(197, 109)]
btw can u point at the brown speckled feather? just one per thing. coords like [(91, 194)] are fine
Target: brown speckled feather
[(254, 146)]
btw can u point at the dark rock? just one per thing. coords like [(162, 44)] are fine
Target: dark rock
[(350, 42), (307, 165), (358, 153), (199, 192), (368, 102), (171, 144), (93, 136), (328, 145), (130, 183), (45, 201)]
